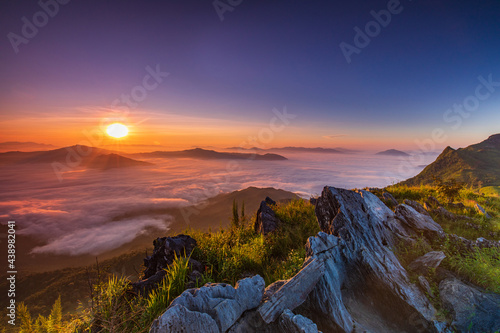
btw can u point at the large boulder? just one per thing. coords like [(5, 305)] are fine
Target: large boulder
[(418, 222), (390, 198), (428, 261), (472, 310), (415, 205), (221, 302), (292, 293), (363, 282), (166, 249), (266, 220), (178, 319)]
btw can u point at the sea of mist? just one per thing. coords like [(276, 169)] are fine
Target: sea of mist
[(78, 215)]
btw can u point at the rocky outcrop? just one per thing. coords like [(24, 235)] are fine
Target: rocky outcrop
[(464, 244), (449, 215), (222, 303), (364, 281), (417, 222), (389, 198), (292, 293), (178, 319), (472, 310), (415, 205), (266, 220), (482, 211), (433, 202), (430, 260), (292, 323), (166, 249)]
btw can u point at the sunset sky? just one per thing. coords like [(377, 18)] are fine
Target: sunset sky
[(226, 76)]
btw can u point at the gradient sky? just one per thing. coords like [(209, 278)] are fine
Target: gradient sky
[(227, 76)]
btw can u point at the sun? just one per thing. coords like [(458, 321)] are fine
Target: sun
[(117, 130)]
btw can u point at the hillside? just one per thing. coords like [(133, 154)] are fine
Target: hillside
[(206, 154), (83, 156), (471, 165), (392, 152)]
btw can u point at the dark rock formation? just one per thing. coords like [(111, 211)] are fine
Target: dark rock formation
[(433, 202), (388, 197), (415, 205), (165, 250), (472, 310), (430, 260), (449, 215), (266, 220), (364, 281)]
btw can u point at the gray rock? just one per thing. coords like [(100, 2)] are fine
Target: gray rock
[(417, 206), (429, 260), (363, 281), (472, 310), (294, 292), (388, 197), (449, 215), (468, 245), (251, 322), (482, 211), (178, 319), (425, 285), (433, 202), (292, 323), (223, 303), (418, 222), (458, 205), (266, 220)]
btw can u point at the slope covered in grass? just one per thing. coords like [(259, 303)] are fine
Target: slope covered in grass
[(473, 165)]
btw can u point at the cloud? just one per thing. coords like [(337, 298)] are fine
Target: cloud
[(101, 238), (334, 136), (87, 212)]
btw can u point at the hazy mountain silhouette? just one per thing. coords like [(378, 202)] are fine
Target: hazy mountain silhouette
[(298, 149), (24, 146), (79, 155), (392, 152), (200, 153)]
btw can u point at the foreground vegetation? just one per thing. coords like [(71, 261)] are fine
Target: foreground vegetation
[(239, 251), (480, 266), (228, 255)]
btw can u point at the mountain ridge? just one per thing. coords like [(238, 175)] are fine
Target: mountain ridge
[(472, 165)]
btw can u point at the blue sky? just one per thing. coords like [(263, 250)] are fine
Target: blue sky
[(226, 76)]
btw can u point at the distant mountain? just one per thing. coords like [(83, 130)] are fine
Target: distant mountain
[(24, 146), (82, 156), (299, 149), (205, 154), (111, 161), (479, 162), (392, 152)]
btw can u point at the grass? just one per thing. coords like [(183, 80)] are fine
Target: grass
[(240, 251), (480, 266), (228, 256), (234, 253)]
